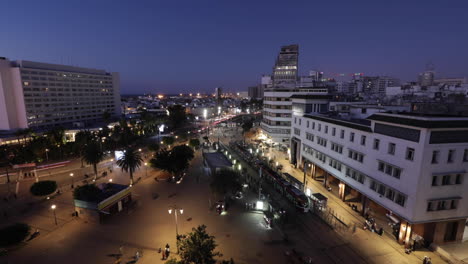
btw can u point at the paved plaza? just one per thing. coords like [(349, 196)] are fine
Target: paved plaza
[(240, 234)]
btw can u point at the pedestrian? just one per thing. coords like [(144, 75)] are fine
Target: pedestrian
[(121, 250), (163, 255), (354, 228), (167, 250), (137, 255)]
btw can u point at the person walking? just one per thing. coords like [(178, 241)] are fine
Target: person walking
[(167, 250)]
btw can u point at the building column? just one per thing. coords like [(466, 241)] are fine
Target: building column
[(325, 179), (404, 235), (341, 191), (314, 171), (365, 204)]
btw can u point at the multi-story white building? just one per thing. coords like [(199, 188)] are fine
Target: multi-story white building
[(41, 95), (410, 168), (277, 105)]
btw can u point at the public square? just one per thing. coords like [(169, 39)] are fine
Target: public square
[(241, 234)]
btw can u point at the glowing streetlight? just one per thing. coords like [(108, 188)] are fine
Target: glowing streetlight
[(146, 169), (175, 210), (53, 209), (73, 182)]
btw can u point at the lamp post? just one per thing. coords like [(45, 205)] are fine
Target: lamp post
[(47, 154), (73, 181), (181, 211), (146, 169), (53, 210)]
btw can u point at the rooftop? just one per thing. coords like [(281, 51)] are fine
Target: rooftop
[(216, 160), (422, 121)]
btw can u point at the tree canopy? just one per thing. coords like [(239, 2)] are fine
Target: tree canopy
[(92, 154), (247, 125), (13, 234), (130, 161), (194, 142), (177, 116), (168, 140), (225, 181), (43, 188), (173, 161), (198, 247), (88, 193)]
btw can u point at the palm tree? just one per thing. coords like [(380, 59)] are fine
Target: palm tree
[(92, 154), (130, 161)]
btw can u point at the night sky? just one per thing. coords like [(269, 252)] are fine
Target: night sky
[(181, 46)]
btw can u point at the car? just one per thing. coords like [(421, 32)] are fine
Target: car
[(238, 195)]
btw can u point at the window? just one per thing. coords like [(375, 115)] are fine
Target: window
[(363, 140), (381, 189), (429, 206), (297, 131), (326, 129), (441, 205), (295, 120), (321, 141), (388, 170), (400, 199), (319, 127), (453, 204), (373, 186), (450, 156), (333, 131), (355, 155), (310, 137), (337, 148), (313, 125), (390, 194), (307, 123), (434, 180), (391, 148), (381, 166), (458, 179), (376, 144), (351, 137), (465, 155), (446, 180), (342, 133), (410, 153), (435, 157)]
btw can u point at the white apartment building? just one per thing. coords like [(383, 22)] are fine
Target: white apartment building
[(40, 95), (408, 167)]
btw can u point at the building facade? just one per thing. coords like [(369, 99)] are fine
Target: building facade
[(411, 168), (42, 95)]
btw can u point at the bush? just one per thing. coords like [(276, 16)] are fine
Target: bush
[(13, 234), (88, 193), (43, 188), (194, 142)]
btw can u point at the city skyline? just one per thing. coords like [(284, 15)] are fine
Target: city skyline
[(158, 48)]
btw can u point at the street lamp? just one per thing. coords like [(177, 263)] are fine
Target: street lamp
[(181, 211), (47, 154), (73, 181), (53, 209), (146, 169)]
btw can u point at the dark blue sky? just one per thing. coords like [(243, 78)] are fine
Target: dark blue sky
[(180, 46)]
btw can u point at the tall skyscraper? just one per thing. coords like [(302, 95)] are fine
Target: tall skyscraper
[(286, 66), (218, 94), (426, 78), (41, 95)]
